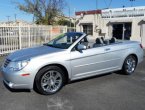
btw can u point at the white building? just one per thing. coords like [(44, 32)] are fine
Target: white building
[(122, 23)]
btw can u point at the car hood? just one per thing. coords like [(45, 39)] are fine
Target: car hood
[(25, 54)]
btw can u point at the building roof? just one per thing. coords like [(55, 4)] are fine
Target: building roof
[(89, 12), (117, 12), (127, 12), (140, 8)]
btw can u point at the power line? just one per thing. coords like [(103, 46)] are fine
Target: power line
[(15, 17), (4, 5), (108, 5), (96, 4), (105, 3)]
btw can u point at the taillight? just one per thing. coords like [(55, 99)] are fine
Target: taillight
[(141, 46)]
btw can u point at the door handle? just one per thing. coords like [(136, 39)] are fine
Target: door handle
[(107, 49)]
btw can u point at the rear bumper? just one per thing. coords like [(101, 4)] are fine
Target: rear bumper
[(141, 56)]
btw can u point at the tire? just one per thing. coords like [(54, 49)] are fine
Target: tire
[(49, 80), (129, 65)]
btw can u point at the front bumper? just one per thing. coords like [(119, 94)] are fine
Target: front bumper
[(15, 80), (15, 86)]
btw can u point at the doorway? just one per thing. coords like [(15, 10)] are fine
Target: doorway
[(88, 29), (117, 31), (122, 31)]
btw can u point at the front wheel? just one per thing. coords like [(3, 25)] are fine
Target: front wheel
[(129, 65), (49, 80)]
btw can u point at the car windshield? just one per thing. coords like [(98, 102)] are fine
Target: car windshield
[(64, 41)]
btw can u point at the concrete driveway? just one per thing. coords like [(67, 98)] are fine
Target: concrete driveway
[(109, 92)]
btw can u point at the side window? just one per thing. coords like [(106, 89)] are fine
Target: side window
[(91, 42), (85, 42), (84, 39)]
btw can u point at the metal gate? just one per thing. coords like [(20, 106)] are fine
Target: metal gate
[(15, 37)]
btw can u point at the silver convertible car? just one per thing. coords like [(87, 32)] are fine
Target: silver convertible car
[(70, 56)]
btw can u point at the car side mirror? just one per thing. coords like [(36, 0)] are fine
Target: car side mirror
[(81, 47)]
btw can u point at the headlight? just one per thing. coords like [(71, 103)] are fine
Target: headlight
[(19, 65)]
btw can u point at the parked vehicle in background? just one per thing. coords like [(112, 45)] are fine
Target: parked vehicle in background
[(68, 57)]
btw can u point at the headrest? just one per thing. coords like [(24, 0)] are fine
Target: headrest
[(112, 40), (98, 41)]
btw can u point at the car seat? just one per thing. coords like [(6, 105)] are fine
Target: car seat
[(113, 40), (98, 43)]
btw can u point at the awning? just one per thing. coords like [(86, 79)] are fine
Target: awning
[(120, 20), (86, 22)]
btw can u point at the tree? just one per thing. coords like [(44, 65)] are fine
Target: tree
[(65, 23), (44, 11)]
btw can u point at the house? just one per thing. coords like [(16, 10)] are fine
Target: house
[(122, 23)]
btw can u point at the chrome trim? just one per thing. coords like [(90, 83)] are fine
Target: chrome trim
[(51, 81), (96, 63), (80, 74)]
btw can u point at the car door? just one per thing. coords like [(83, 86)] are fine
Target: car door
[(88, 62), (97, 60), (114, 56)]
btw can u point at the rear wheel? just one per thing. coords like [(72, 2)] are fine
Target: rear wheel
[(129, 65), (49, 80)]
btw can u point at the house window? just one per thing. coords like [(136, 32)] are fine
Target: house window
[(88, 29)]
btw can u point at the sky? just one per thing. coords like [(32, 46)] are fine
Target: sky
[(8, 8)]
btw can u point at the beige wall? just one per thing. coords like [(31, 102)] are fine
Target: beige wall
[(96, 20), (143, 34), (136, 29), (136, 26), (107, 29)]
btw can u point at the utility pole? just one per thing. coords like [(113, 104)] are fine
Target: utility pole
[(96, 4), (15, 17), (75, 20), (96, 15), (70, 15), (8, 17)]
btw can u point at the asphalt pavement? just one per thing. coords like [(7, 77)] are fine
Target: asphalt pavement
[(108, 92)]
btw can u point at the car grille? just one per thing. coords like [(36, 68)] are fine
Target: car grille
[(6, 62)]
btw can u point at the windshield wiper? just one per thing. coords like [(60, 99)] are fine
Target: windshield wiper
[(51, 45), (48, 45)]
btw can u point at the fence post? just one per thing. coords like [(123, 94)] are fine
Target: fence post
[(66, 28), (20, 41), (29, 35), (45, 39), (50, 36)]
